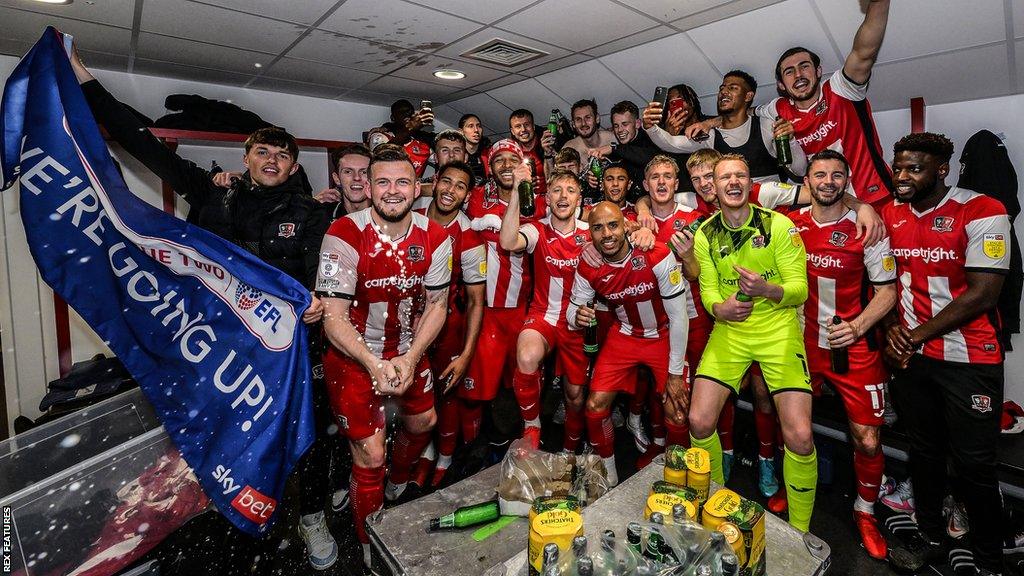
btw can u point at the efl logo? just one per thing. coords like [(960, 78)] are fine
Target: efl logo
[(247, 297), (256, 507)]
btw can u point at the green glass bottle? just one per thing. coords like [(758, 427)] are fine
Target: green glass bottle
[(467, 516)]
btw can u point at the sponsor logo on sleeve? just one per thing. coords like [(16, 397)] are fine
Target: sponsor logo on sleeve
[(888, 262), (483, 268), (451, 262), (329, 264), (794, 237), (994, 245), (675, 277)]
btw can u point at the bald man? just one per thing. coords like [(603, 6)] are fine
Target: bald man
[(647, 292)]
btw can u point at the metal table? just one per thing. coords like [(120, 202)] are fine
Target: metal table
[(401, 544)]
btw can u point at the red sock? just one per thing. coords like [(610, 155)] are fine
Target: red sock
[(574, 425), (780, 440), (725, 420), (601, 432), (367, 491), (407, 449), (868, 470), (472, 412), (639, 397), (657, 416), (765, 425), (677, 433), (447, 425), (527, 389)]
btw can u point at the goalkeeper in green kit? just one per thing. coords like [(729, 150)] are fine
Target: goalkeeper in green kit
[(753, 279)]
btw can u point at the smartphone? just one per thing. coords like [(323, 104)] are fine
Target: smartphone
[(676, 104), (426, 106), (661, 96)]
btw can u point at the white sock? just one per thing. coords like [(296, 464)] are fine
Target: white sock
[(444, 461), (613, 474), (312, 519), (659, 441), (729, 452), (862, 505), (634, 420), (535, 422), (366, 555), (429, 453), (393, 491)]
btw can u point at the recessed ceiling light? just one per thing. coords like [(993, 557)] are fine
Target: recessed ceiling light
[(258, 65), (55, 1), (449, 74)]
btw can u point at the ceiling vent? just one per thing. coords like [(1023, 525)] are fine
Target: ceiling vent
[(504, 53)]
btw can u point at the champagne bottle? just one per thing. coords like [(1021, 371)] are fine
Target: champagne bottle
[(840, 356), (590, 345), (467, 516), (783, 155), (730, 565), (553, 122), (525, 191), (634, 538)]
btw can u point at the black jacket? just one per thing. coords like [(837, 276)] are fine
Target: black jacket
[(283, 225)]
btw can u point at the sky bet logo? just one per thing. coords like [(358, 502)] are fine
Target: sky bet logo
[(247, 297), (255, 506)]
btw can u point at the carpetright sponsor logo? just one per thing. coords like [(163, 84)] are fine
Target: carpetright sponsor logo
[(929, 255), (819, 134), (400, 282), (824, 261), (562, 262), (634, 290)]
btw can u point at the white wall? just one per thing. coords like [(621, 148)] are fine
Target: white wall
[(27, 328)]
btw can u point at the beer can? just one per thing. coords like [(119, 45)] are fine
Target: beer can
[(734, 538), (675, 464), (698, 472)]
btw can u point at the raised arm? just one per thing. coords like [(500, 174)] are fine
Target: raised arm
[(867, 42)]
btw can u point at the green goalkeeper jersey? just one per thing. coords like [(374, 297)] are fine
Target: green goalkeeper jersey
[(767, 243)]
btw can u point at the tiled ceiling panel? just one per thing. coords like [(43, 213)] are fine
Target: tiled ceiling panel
[(184, 72), (577, 24), (530, 94), (157, 47), (667, 61), (637, 39), (111, 12), (411, 89), (669, 10), (301, 11), (29, 26), (293, 87), (333, 48), (754, 40), (589, 80), (457, 49), (397, 23), (492, 113), (215, 25), (480, 11), (721, 12), (318, 73), (907, 18), (423, 70)]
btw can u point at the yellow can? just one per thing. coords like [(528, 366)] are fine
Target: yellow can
[(675, 464), (558, 525), (735, 539), (728, 507), (698, 472), (663, 503)]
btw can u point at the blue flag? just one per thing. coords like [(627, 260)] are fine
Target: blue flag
[(212, 334)]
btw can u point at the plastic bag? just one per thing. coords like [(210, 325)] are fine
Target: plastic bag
[(528, 474)]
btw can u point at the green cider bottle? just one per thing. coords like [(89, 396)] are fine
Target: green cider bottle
[(467, 516)]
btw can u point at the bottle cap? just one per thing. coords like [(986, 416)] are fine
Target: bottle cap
[(435, 524)]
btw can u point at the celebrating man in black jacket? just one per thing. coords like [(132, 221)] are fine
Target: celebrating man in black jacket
[(267, 211)]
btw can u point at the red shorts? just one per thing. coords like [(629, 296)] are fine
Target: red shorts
[(605, 319), (448, 344), (615, 370), (567, 346), (495, 356), (358, 408), (860, 388)]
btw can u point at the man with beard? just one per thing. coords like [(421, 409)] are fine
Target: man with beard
[(508, 286), (524, 132), (476, 146), (753, 276), (266, 211), (952, 254), (645, 289), (839, 271), (632, 148), (453, 348), (449, 146), (555, 242), (589, 134), (737, 131), (349, 192), (384, 276), (835, 114)]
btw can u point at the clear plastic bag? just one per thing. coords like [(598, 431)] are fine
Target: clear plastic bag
[(528, 474)]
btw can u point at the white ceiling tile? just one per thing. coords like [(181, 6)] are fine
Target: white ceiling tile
[(457, 49), (669, 10), (112, 12), (637, 39), (397, 23), (412, 89), (29, 26), (423, 70), (980, 73), (447, 114), (499, 82), (293, 87), (529, 94), (770, 30), (492, 113), (318, 73), (577, 24), (157, 47), (185, 72), (334, 48), (367, 97), (1019, 57), (721, 12), (304, 12), (1018, 18), (589, 80), (558, 64), (218, 25), (665, 62), (907, 18), (485, 12)]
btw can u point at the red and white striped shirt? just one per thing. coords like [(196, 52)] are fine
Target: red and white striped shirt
[(508, 274), (385, 279), (680, 218), (934, 250), (778, 196), (555, 259), (837, 266), (635, 288)]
